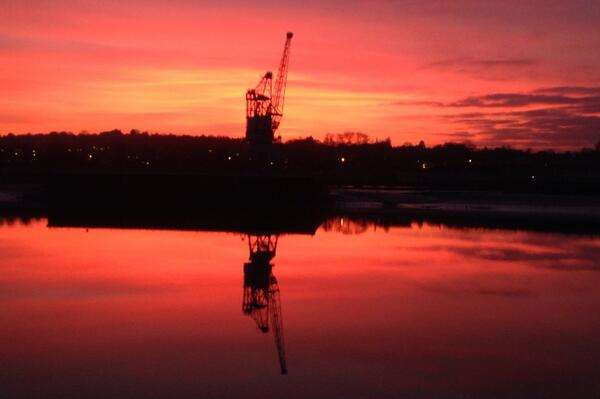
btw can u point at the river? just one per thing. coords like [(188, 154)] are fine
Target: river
[(355, 310)]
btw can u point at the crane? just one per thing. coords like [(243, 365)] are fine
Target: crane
[(261, 291), (264, 104)]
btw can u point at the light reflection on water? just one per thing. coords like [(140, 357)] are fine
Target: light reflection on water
[(366, 310)]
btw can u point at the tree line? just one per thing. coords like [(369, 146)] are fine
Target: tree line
[(348, 158)]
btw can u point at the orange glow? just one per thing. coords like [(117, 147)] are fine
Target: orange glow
[(380, 68)]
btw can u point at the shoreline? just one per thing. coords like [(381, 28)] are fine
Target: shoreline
[(399, 206)]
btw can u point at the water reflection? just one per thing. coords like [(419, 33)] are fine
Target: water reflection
[(261, 297), (373, 308), (261, 291), (346, 225)]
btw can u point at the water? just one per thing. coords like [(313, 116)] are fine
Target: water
[(367, 312)]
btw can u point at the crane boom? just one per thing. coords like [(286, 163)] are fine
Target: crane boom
[(277, 323), (281, 82)]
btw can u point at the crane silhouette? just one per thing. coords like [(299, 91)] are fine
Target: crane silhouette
[(264, 106), (261, 291)]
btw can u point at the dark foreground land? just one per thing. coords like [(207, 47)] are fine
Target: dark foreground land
[(385, 207), (347, 159), (113, 174)]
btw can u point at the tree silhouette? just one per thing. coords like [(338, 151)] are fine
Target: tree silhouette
[(346, 158)]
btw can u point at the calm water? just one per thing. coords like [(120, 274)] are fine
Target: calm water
[(366, 312)]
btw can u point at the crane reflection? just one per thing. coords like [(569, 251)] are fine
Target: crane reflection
[(261, 300)]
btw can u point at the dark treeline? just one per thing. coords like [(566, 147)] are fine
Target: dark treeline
[(349, 158)]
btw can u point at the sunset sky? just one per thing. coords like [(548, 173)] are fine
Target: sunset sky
[(520, 73)]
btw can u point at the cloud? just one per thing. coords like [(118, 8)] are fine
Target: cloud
[(462, 289), (494, 69), (559, 117), (417, 103), (461, 135), (569, 90), (515, 100), (473, 63), (548, 127), (577, 257)]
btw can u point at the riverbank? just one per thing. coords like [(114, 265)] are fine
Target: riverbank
[(388, 206), (561, 213)]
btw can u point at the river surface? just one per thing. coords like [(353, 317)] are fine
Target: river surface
[(360, 310)]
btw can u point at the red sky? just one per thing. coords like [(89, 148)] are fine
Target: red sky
[(520, 73)]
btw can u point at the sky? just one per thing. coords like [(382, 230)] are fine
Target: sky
[(519, 73)]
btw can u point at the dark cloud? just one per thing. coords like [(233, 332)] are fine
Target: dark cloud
[(421, 103), (564, 90), (486, 69), (549, 127), (515, 100), (468, 289), (461, 135), (555, 117), (575, 257), (466, 63)]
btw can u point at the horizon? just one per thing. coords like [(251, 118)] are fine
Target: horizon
[(330, 139), (511, 74)]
